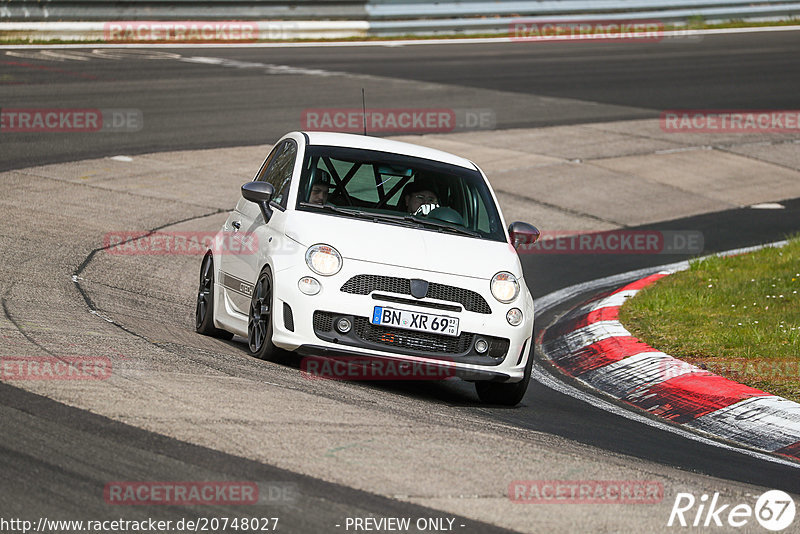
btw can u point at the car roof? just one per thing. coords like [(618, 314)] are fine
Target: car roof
[(366, 142)]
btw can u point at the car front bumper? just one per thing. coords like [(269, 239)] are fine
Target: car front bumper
[(306, 324)]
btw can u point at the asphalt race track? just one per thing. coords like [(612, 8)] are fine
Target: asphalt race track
[(193, 408), (248, 100)]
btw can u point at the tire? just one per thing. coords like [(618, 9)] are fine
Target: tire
[(505, 394), (204, 311), (259, 321)]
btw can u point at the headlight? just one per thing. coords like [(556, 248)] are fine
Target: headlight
[(505, 287), (323, 259)]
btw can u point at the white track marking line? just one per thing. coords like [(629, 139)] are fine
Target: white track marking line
[(547, 380), (389, 43)]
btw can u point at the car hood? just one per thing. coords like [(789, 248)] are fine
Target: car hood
[(390, 244)]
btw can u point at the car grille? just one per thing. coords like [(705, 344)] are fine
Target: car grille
[(364, 284), (323, 321), (417, 302), (288, 317), (409, 339)]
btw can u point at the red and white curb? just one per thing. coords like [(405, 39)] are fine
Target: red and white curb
[(591, 345)]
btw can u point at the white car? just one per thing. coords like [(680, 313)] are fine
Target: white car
[(379, 249)]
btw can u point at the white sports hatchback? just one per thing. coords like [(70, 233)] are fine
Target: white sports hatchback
[(360, 246)]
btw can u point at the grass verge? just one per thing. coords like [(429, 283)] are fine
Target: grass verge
[(738, 317)]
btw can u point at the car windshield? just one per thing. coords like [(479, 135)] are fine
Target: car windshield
[(398, 189)]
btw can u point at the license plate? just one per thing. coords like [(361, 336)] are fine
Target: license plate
[(422, 322)]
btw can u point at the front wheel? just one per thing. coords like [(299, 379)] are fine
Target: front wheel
[(505, 394), (259, 324), (204, 312)]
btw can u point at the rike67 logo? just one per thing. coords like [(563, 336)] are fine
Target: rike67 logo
[(774, 510)]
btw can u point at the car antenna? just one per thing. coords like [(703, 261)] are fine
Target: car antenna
[(364, 107)]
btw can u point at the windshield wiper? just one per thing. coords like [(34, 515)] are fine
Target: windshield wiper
[(432, 223), (337, 209), (399, 219), (442, 226), (406, 220)]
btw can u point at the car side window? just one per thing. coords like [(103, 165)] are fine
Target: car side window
[(262, 171), (279, 171)]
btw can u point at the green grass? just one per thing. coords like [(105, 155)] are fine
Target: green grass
[(693, 23), (737, 316)]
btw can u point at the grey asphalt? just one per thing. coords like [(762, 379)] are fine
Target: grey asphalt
[(241, 96), (57, 464)]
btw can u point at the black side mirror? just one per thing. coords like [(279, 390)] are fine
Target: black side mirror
[(260, 193), (523, 234)]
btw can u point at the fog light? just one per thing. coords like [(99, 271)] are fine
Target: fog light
[(309, 285), (481, 346), (344, 325), (514, 316)]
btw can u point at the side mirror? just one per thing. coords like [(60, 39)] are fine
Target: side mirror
[(523, 234), (260, 193)]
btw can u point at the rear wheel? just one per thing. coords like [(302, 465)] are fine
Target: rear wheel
[(505, 394), (204, 312), (259, 324)]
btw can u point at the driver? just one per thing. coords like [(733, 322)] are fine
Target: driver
[(320, 187), (419, 197)]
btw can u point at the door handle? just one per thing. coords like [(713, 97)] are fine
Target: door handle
[(236, 224)]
